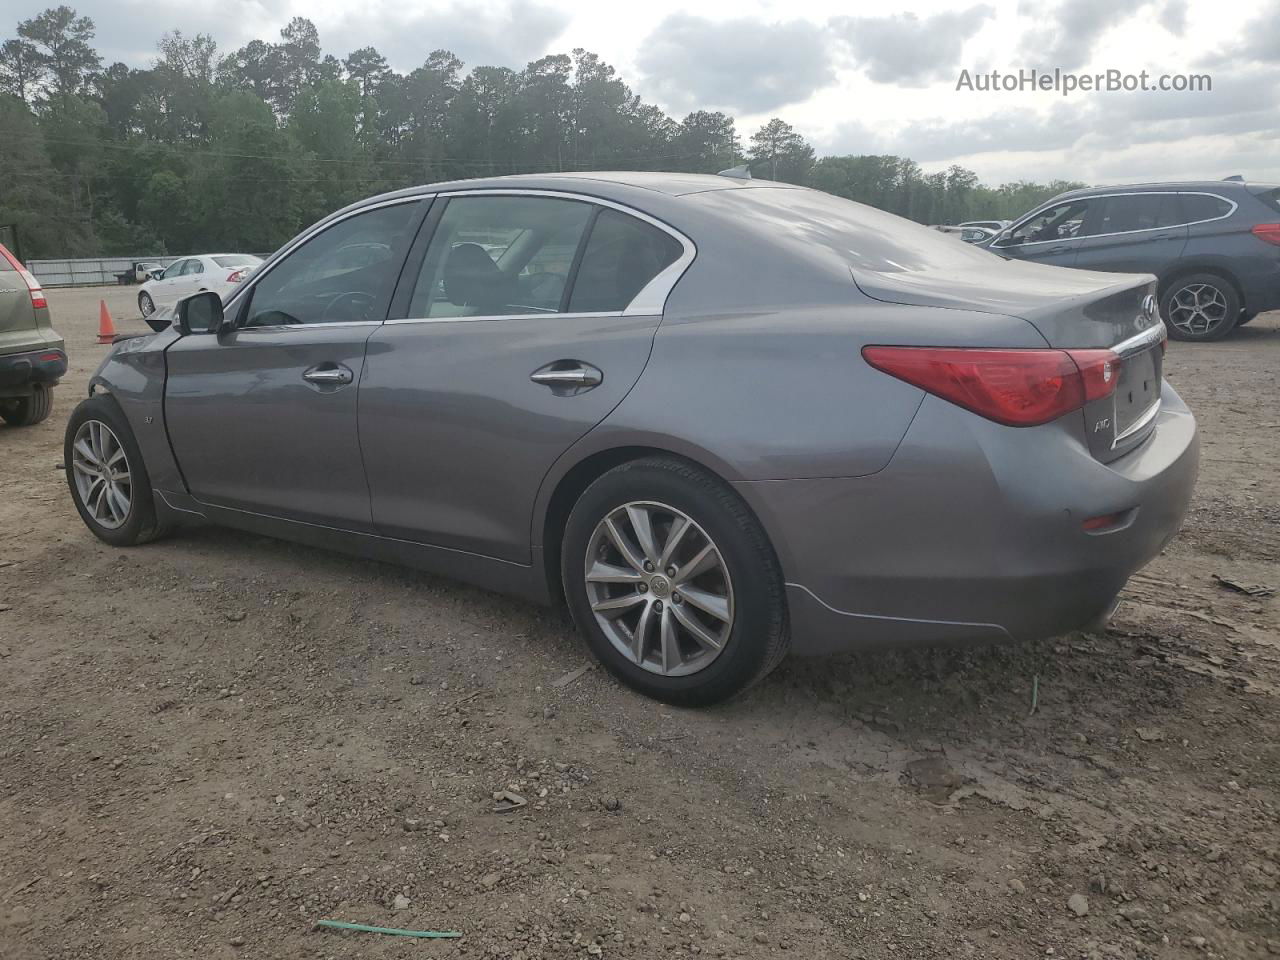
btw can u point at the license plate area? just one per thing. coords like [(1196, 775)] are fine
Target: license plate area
[(1137, 391)]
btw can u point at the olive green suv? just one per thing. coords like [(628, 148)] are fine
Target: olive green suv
[(32, 355)]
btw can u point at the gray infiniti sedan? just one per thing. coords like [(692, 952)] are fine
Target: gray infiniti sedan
[(719, 419)]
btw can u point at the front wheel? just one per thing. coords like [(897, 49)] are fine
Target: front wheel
[(28, 411), (1200, 307), (673, 583), (106, 475), (146, 306)]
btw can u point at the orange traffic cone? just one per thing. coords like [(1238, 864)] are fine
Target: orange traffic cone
[(106, 329)]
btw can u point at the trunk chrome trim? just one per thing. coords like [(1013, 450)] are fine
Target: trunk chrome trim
[(1138, 424), (1143, 341)]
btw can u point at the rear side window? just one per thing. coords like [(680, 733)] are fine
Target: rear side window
[(1134, 211), (500, 256), (1202, 206), (622, 255), (192, 266)]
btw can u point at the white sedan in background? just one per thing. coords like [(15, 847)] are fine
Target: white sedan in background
[(219, 272)]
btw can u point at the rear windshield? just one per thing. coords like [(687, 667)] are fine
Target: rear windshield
[(847, 233), (1271, 198), (237, 260)]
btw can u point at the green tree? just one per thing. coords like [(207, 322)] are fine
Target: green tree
[(21, 69), (62, 41), (780, 152)]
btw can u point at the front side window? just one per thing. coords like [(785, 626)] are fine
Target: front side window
[(500, 256), (174, 269), (1060, 222), (344, 274), (622, 255)]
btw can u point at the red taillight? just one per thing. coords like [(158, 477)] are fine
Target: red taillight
[(1268, 232), (33, 285), (1019, 388), (236, 276), (53, 356)]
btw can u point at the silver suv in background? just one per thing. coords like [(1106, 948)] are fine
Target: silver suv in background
[(1214, 246), (32, 355)]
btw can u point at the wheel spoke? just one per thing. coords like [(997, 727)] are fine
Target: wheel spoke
[(642, 523), (639, 635), (83, 448), (84, 468), (119, 502), (602, 572), (679, 527), (706, 559), (707, 602), (670, 646), (700, 633), (622, 545), (615, 607)]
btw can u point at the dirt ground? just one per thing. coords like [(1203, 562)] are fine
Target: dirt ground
[(211, 742)]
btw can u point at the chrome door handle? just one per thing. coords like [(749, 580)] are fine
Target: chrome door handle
[(560, 374), (330, 375)]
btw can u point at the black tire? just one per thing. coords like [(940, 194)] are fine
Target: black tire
[(1225, 310), (141, 524), (28, 411), (1245, 317), (758, 638), (146, 306)]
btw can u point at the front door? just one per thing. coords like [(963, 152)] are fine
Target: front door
[(263, 419), (1050, 236), (515, 343)]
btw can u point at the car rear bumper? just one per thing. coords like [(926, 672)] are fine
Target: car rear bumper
[(973, 532), (18, 371)]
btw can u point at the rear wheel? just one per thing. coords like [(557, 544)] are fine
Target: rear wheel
[(28, 411), (1200, 307), (106, 475), (673, 583), (146, 306)]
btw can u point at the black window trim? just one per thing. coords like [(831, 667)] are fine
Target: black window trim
[(1121, 193)]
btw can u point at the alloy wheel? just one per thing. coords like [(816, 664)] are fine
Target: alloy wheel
[(101, 469), (1197, 308), (659, 588), (146, 305)]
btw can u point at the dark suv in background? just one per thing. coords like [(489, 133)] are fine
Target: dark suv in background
[(1214, 245)]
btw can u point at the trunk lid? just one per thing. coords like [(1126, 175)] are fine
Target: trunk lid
[(1072, 309)]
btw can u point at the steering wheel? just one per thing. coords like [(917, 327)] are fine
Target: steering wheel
[(358, 300)]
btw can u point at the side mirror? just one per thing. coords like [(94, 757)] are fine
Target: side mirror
[(200, 313)]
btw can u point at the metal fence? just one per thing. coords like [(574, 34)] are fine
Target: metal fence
[(94, 271), (91, 272)]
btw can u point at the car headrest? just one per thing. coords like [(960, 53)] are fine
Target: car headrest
[(471, 278)]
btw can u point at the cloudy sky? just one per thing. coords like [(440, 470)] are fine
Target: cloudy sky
[(852, 77)]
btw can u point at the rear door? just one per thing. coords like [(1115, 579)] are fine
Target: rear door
[(263, 419), (1050, 236), (1133, 233), (523, 331)]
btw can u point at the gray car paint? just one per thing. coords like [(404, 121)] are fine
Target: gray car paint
[(896, 517)]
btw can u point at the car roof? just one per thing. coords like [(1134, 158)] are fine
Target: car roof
[(1208, 186)]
